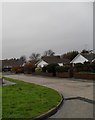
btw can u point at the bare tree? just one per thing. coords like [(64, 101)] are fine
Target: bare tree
[(35, 56), (85, 51), (49, 53), (23, 58)]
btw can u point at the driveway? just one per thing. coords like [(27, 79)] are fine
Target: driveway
[(78, 94)]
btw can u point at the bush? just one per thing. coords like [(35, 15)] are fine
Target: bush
[(61, 69), (86, 67), (17, 69), (93, 66), (44, 69), (66, 68), (6, 69), (38, 70), (51, 68), (29, 68), (78, 67)]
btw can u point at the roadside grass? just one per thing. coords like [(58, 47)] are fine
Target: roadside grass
[(26, 100), (0, 102)]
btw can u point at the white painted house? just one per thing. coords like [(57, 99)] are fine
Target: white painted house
[(52, 59), (42, 63), (81, 58)]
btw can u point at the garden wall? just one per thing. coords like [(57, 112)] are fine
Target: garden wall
[(43, 74), (84, 75), (63, 75), (77, 75)]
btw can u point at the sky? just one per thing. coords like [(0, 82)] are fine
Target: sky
[(37, 27), (0, 30), (94, 26)]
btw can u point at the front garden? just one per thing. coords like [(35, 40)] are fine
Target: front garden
[(79, 70), (26, 100)]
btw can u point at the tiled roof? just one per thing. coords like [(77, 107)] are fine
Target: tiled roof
[(12, 62), (55, 59), (88, 56)]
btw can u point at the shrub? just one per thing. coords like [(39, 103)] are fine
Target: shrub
[(6, 69), (66, 68), (17, 69), (93, 66), (86, 67), (78, 67), (51, 68), (38, 70), (44, 69), (61, 69), (29, 68)]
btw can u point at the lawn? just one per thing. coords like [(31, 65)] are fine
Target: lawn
[(0, 102), (26, 100)]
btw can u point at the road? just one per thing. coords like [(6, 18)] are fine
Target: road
[(71, 89)]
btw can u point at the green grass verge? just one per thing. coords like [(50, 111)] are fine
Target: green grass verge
[(0, 102), (26, 100)]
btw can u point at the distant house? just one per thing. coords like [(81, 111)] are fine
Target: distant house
[(52, 59), (83, 57), (8, 64)]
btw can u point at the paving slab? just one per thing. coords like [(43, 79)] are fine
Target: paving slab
[(75, 109), (8, 83)]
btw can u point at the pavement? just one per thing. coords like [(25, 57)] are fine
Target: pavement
[(78, 94), (8, 83)]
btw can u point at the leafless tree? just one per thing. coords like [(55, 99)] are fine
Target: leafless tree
[(49, 53), (23, 58), (35, 56)]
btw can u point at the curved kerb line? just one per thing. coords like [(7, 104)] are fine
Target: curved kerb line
[(81, 98), (46, 116)]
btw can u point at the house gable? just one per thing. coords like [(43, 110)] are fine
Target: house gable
[(60, 64), (79, 59), (93, 60), (41, 63)]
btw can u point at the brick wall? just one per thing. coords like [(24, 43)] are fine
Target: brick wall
[(84, 75), (63, 75)]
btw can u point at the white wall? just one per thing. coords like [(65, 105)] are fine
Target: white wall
[(60, 64), (42, 63), (79, 59)]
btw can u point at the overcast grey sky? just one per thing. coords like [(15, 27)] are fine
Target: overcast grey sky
[(36, 27)]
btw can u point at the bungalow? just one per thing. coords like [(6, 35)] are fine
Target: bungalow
[(44, 61), (83, 57), (8, 64)]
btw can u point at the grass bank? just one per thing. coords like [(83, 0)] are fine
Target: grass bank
[(26, 100)]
